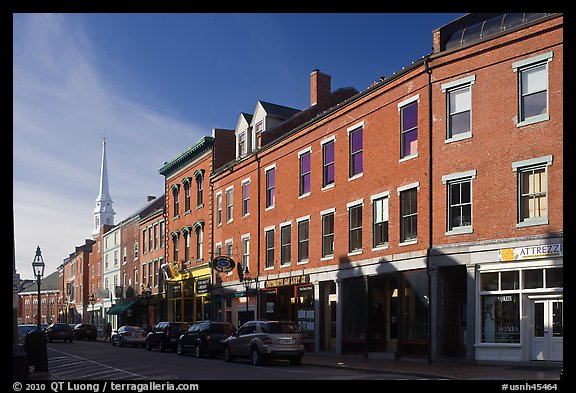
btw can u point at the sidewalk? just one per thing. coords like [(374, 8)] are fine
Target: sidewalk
[(451, 369)]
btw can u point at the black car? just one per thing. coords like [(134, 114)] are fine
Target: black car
[(205, 338), (60, 331), (165, 335), (85, 331)]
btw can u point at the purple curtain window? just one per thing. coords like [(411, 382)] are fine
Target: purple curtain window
[(410, 116), (356, 152), (328, 163), (305, 173)]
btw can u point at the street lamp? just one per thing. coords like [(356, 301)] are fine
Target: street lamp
[(92, 300), (38, 266), (247, 281), (147, 292)]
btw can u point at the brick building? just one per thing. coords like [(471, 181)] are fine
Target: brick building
[(28, 300), (373, 228)]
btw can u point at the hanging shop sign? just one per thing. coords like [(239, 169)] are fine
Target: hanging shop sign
[(530, 252), (223, 264), (294, 280)]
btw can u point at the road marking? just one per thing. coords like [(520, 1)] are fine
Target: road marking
[(60, 368)]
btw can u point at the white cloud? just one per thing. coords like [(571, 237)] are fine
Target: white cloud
[(62, 106)]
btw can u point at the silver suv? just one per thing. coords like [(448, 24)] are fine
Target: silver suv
[(263, 340)]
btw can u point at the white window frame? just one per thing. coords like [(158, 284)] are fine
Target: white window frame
[(520, 167), (522, 65), (448, 88), (459, 177), (230, 218)]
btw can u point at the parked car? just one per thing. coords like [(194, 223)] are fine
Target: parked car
[(23, 331), (60, 331), (85, 331), (263, 340), (131, 335), (205, 338), (165, 335)]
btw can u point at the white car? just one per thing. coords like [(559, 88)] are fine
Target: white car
[(131, 335)]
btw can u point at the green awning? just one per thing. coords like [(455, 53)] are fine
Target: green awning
[(121, 308)]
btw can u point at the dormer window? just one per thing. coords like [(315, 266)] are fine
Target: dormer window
[(242, 148), (259, 127)]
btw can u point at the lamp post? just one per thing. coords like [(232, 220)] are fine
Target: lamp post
[(247, 281), (38, 266), (37, 344), (147, 292), (92, 300)]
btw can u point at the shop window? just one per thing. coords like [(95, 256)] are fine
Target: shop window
[(489, 281), (501, 318), (510, 280), (555, 278), (533, 278)]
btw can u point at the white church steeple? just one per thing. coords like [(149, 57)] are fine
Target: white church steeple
[(103, 212)]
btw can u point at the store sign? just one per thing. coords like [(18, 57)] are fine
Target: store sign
[(294, 280), (202, 285), (223, 264), (530, 252)]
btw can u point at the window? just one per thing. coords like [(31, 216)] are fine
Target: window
[(532, 191), (259, 127), (459, 108), (199, 242), (229, 244), (218, 249), (175, 200), (533, 88), (199, 190), (408, 127), (269, 238), (328, 163), (355, 228), (246, 252), (116, 258), (356, 162), (150, 274), (124, 254), (380, 221), (500, 318), (270, 187), (144, 241), (459, 202), (162, 233), (155, 236), (304, 159), (186, 232), (408, 214), (175, 247), (135, 278), (219, 208), (229, 204), (303, 239), (246, 197), (156, 271), (186, 195), (285, 244), (328, 234), (242, 149), (150, 239)]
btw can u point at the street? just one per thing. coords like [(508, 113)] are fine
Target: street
[(90, 360)]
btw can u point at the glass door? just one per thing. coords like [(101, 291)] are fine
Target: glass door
[(548, 333)]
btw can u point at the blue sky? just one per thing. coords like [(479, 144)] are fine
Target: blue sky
[(153, 84)]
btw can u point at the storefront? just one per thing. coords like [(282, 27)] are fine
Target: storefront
[(386, 314), (520, 308), (292, 299), (189, 296)]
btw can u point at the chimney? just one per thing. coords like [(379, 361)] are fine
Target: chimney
[(320, 89), (150, 198)]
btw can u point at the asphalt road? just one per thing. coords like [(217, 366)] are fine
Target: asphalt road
[(89, 360)]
